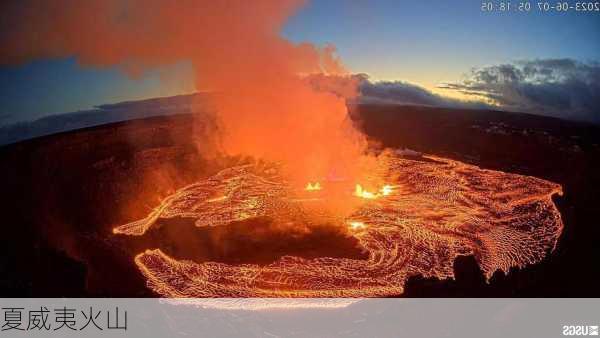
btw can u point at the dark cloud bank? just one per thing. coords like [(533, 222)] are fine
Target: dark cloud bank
[(562, 88), (399, 92)]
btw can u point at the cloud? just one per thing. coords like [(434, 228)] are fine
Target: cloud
[(358, 88), (563, 88), (399, 92)]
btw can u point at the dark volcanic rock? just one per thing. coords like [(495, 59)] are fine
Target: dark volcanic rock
[(62, 195)]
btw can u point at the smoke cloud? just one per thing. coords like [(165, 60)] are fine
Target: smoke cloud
[(265, 106)]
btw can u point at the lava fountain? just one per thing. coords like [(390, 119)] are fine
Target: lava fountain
[(430, 211)]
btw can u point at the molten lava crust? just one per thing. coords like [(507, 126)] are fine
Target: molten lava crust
[(430, 211)]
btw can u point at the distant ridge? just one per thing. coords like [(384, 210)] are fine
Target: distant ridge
[(199, 102), (103, 114)]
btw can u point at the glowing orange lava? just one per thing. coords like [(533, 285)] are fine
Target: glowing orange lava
[(433, 210), (313, 187), (359, 191), (355, 225)]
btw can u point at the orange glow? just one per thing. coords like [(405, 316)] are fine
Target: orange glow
[(356, 225), (386, 190), (514, 223), (359, 191), (218, 199), (258, 304), (272, 98), (313, 187)]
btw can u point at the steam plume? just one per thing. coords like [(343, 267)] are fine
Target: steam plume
[(265, 106)]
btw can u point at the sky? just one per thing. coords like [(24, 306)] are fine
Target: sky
[(425, 43)]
